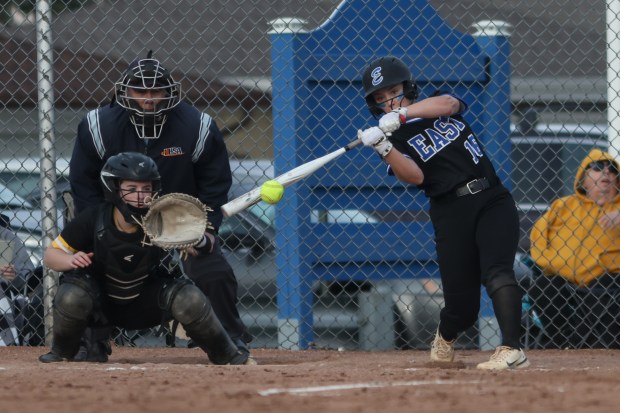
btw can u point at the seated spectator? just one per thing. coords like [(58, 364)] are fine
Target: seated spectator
[(15, 270), (14, 274), (576, 246)]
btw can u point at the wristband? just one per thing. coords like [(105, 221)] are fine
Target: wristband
[(402, 114), (205, 245)]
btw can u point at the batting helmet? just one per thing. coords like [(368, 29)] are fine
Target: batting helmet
[(142, 75), (132, 166), (383, 72)]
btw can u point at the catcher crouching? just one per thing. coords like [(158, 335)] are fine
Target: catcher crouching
[(111, 277)]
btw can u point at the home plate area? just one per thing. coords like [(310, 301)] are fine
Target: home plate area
[(171, 379)]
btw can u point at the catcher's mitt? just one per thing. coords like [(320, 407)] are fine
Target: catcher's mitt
[(175, 221)]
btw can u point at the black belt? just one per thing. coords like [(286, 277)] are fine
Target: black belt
[(473, 187)]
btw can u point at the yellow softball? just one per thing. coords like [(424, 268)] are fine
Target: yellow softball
[(271, 192)]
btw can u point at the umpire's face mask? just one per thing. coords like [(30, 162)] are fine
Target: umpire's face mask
[(148, 108)]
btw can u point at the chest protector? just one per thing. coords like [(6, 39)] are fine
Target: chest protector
[(122, 263)]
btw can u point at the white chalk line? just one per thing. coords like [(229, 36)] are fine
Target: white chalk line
[(319, 389)]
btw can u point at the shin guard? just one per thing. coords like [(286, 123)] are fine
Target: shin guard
[(72, 307), (193, 310)]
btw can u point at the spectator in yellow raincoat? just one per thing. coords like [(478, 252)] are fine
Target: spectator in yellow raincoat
[(576, 246)]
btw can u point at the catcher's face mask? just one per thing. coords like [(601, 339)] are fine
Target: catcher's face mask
[(135, 196)]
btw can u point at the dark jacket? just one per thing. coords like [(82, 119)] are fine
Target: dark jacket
[(190, 154)]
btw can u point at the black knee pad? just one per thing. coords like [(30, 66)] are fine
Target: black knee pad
[(73, 301), (169, 292), (183, 300), (189, 304)]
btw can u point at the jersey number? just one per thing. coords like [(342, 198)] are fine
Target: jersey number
[(474, 149)]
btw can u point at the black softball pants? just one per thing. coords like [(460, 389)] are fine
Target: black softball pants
[(476, 239)]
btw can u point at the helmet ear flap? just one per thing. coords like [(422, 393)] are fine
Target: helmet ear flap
[(410, 90)]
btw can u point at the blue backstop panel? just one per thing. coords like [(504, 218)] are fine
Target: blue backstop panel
[(318, 106)]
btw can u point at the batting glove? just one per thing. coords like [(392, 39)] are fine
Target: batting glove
[(376, 139), (392, 120)]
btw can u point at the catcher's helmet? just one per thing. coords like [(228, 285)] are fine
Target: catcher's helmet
[(142, 75), (132, 166), (383, 72)]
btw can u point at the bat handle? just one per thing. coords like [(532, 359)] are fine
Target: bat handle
[(353, 144)]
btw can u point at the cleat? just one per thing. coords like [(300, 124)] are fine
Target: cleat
[(442, 350), (505, 358), (51, 358), (240, 358), (97, 353), (192, 344), (81, 355), (243, 348), (250, 362)]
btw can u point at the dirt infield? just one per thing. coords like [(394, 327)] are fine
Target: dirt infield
[(177, 380)]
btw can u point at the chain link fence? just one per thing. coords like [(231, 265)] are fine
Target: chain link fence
[(221, 53)]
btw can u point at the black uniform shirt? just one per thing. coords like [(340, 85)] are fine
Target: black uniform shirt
[(120, 263), (447, 152)]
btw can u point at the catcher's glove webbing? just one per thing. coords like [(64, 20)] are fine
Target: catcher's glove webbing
[(175, 221)]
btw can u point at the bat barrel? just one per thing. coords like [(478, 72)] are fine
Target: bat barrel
[(286, 179)]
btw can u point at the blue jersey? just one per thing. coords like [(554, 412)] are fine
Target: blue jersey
[(190, 154)]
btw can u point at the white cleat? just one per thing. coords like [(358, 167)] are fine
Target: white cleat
[(505, 358), (442, 350)]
